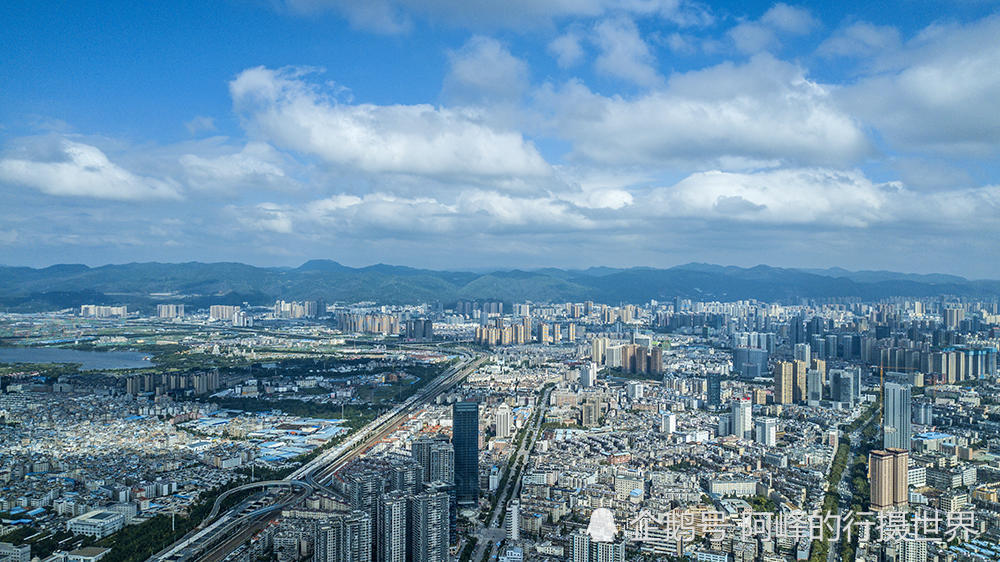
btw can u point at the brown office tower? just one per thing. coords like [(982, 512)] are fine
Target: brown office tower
[(889, 479), (900, 477)]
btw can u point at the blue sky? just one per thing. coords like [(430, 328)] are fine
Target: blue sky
[(528, 133)]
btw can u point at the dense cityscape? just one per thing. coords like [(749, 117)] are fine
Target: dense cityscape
[(481, 430), (499, 281)]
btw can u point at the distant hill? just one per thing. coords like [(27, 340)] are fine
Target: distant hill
[(199, 284)]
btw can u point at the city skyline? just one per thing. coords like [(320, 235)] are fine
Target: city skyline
[(468, 136), (360, 430)]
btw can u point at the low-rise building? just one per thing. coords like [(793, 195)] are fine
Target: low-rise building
[(97, 523)]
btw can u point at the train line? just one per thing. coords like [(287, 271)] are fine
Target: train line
[(204, 542)]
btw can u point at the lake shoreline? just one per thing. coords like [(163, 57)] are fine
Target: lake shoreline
[(88, 360)]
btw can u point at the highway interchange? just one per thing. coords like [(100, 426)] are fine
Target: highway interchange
[(213, 539)]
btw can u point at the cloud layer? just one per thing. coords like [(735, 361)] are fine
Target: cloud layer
[(620, 132), (279, 106), (68, 168)]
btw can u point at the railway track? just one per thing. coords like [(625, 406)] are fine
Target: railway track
[(314, 474)]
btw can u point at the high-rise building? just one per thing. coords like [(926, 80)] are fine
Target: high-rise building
[(588, 374), (897, 416), (909, 551), (900, 477), (429, 523), (242, 319), (420, 449), (750, 362), (222, 312), (783, 382), (766, 431), (842, 387), (714, 389), (819, 365), (513, 522), (802, 352), (743, 419), (635, 390), (585, 549), (580, 547), (344, 538), (725, 426), (607, 551), (799, 370), (953, 316), (668, 423), (465, 438), (655, 360), (814, 387), (392, 528), (544, 335), (169, 310), (420, 328), (888, 475), (590, 412), (100, 311), (442, 463), (503, 421), (880, 476), (598, 348), (924, 413)]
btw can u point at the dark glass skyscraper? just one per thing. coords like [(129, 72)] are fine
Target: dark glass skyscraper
[(714, 389), (750, 362), (465, 438)]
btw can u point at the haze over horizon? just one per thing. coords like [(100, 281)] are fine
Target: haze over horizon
[(466, 135), (830, 269)]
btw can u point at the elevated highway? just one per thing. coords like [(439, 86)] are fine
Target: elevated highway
[(315, 474)]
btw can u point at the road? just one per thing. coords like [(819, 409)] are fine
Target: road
[(317, 471), (844, 491), (844, 486), (495, 529)]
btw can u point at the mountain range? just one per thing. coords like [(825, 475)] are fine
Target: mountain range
[(197, 284)]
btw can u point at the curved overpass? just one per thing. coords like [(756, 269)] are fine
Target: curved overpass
[(264, 484), (310, 476)]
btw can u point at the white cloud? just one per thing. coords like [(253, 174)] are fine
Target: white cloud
[(200, 124), (751, 37), (484, 70), (505, 211), (794, 196), (382, 215), (268, 217), (940, 91), (860, 39), (256, 165), (762, 35), (566, 49), (681, 44), (614, 199), (394, 16), (821, 197), (280, 107), (81, 170), (624, 54), (382, 16), (756, 114), (790, 19), (824, 199)]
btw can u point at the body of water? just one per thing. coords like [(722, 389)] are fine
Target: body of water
[(89, 360)]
